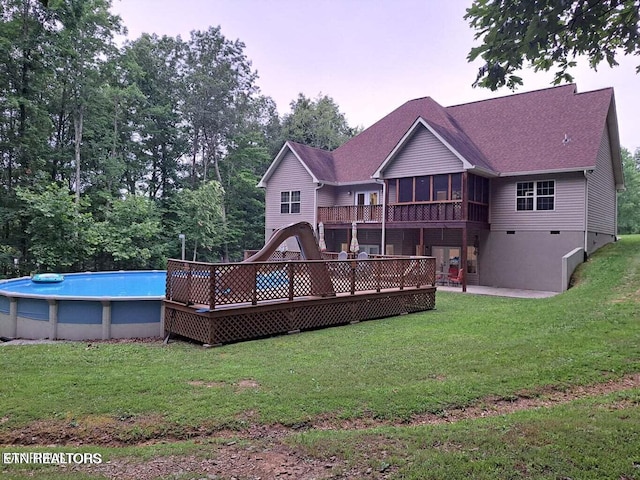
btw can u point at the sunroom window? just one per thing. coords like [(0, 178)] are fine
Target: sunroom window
[(430, 188)]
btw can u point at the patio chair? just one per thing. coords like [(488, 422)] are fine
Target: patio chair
[(340, 270), (456, 279), (364, 268)]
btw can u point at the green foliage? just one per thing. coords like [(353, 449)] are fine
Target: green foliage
[(8, 254), (60, 234), (629, 199), (156, 118), (157, 138), (246, 207), (200, 214), (317, 123), (129, 234), (549, 34), (219, 82)]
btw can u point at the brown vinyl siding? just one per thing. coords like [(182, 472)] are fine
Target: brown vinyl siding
[(423, 154), (602, 192), (567, 215), (289, 176)]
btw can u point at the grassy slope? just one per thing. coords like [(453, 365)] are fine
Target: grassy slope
[(470, 348)]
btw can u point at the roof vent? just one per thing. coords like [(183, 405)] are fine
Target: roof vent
[(566, 139)]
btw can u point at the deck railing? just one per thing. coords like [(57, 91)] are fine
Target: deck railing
[(214, 285), (404, 212), (350, 213)]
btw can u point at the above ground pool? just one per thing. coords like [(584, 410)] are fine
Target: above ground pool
[(103, 305)]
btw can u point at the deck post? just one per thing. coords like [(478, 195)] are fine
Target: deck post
[(290, 277), (463, 259), (254, 292), (212, 287), (352, 279), (189, 283)]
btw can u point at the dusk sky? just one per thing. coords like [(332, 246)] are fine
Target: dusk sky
[(370, 56)]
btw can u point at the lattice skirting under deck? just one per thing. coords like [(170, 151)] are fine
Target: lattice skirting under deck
[(250, 322)]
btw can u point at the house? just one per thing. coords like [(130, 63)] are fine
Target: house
[(515, 191)]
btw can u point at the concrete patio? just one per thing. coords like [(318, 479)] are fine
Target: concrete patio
[(498, 292)]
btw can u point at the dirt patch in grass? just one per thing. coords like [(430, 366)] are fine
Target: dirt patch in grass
[(247, 384), (264, 461), (261, 451)]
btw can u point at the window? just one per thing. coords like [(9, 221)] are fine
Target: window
[(535, 195), (545, 195), (290, 202), (423, 189), (478, 189), (405, 190), (441, 187), (435, 188), (367, 198), (456, 186)]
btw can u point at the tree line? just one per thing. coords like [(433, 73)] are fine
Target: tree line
[(109, 152)]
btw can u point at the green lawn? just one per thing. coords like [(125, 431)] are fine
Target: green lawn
[(469, 349)]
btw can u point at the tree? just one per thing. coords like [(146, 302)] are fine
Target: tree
[(220, 84), (85, 41), (130, 235), (154, 65), (548, 33), (316, 123), (60, 236), (141, 131), (629, 199), (200, 217), (24, 79)]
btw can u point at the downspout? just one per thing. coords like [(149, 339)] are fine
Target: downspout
[(383, 240)]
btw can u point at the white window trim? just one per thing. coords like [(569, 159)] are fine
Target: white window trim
[(535, 195), (367, 196), (291, 202)]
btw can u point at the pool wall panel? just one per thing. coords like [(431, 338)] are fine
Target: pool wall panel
[(133, 312), (35, 329), (75, 331), (4, 305), (33, 309), (79, 312), (136, 330)]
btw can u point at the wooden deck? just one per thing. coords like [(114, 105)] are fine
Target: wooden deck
[(222, 303)]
